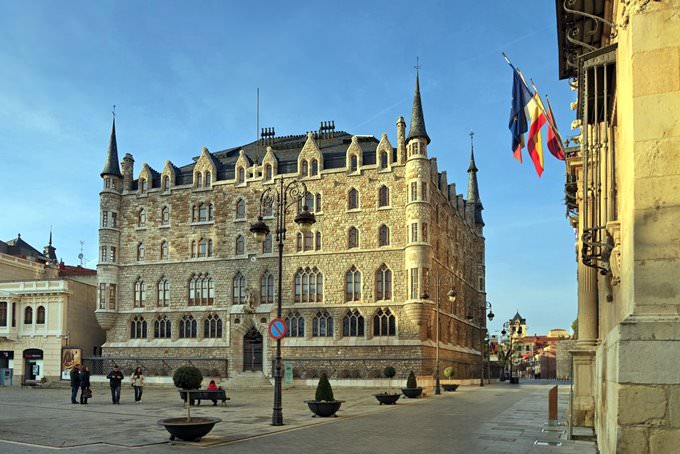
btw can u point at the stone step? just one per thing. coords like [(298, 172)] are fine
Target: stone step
[(248, 380)]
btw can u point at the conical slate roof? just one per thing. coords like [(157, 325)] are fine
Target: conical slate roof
[(111, 166), (417, 127), (473, 188)]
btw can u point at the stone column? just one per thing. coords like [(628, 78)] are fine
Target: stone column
[(584, 355)]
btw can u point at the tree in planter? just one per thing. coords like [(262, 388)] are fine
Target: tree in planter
[(448, 373), (388, 397), (412, 390), (324, 391), (188, 378), (324, 404), (411, 381), (389, 372)]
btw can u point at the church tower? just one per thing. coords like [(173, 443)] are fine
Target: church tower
[(418, 251), (109, 235)]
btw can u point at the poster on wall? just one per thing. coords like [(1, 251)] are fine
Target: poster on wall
[(69, 358)]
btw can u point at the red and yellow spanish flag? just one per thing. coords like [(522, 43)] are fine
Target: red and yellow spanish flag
[(554, 139), (534, 143)]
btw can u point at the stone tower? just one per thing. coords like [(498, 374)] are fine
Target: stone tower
[(109, 235), (418, 251)]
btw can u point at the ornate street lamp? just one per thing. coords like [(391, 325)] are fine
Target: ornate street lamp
[(513, 330), (482, 337), (452, 297), (276, 200)]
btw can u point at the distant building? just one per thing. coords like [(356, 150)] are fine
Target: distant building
[(180, 276), (46, 313)]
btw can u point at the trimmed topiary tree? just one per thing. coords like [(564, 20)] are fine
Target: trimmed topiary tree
[(324, 392), (448, 372), (187, 377), (389, 372), (411, 381)]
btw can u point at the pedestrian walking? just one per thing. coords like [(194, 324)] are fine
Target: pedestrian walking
[(85, 391), (75, 382), (138, 384), (115, 379)]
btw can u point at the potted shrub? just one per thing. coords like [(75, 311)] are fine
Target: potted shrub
[(388, 397), (448, 373), (412, 390), (188, 378), (324, 403)]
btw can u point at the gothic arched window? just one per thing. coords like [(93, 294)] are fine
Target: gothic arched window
[(239, 288), (308, 285), (163, 292), (322, 325), (353, 284), (140, 293), (383, 235), (353, 199), (353, 238), (383, 196), (384, 323), (295, 325), (187, 327), (267, 288), (162, 328), (353, 324), (138, 328), (212, 326)]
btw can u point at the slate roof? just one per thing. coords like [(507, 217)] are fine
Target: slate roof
[(417, 127), (19, 248), (111, 165), (333, 147)]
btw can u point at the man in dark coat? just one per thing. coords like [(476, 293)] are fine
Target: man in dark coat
[(75, 383), (115, 378), (84, 384)]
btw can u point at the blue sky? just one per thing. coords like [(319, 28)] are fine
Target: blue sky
[(184, 75)]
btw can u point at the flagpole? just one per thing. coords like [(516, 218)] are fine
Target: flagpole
[(551, 124)]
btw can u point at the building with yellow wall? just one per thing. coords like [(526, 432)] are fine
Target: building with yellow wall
[(623, 198), (46, 308)]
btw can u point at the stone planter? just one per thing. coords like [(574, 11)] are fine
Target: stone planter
[(387, 398), (412, 393), (449, 387), (186, 430), (324, 409)]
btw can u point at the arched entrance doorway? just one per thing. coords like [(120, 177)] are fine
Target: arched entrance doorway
[(252, 350)]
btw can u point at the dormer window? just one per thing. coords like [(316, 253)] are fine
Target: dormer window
[(142, 185), (383, 160), (315, 168), (240, 175), (208, 179), (199, 180), (305, 169), (268, 172), (353, 163), (166, 183)]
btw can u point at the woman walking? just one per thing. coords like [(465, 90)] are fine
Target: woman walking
[(85, 391), (138, 384)]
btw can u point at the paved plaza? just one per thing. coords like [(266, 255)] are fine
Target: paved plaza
[(494, 419)]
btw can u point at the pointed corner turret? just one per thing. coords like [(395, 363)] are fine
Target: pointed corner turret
[(473, 187), (111, 166), (417, 127), (50, 251)]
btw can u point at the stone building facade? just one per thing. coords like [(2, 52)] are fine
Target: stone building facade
[(180, 278), (622, 198)]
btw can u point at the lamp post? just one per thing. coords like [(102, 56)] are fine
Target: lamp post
[(513, 330), (482, 335), (452, 297), (275, 200)]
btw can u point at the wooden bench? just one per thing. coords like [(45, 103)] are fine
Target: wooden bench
[(203, 394)]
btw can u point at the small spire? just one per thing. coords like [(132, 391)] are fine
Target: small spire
[(417, 127), (111, 166), (473, 187), (472, 167), (50, 251), (50, 243)]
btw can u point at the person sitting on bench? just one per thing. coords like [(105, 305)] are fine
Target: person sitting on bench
[(212, 386)]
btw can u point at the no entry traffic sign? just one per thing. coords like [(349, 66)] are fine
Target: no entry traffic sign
[(277, 329)]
